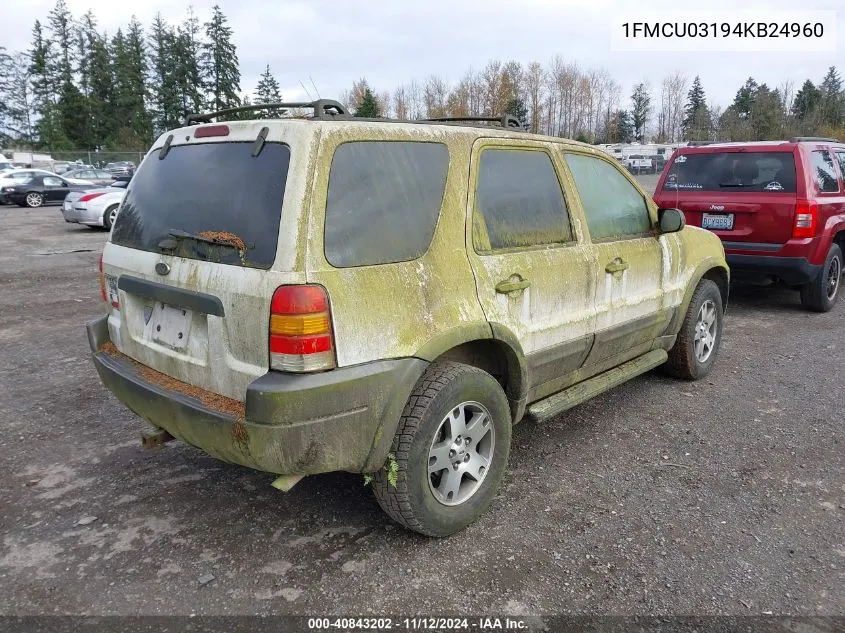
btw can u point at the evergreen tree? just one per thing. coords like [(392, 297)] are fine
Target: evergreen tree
[(71, 106), (101, 100), (48, 129), (640, 110), (219, 64), (832, 99), (85, 36), (186, 56), (267, 91), (697, 120), (368, 106), (516, 107), (15, 98), (806, 101), (6, 77), (133, 126), (766, 114), (744, 100), (621, 129), (164, 80)]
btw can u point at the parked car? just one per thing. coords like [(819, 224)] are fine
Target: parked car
[(16, 176), (363, 317), (95, 207), (96, 176), (778, 207), (38, 190), (121, 168), (6, 166)]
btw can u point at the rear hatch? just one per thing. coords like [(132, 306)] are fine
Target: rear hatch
[(189, 261), (741, 194)]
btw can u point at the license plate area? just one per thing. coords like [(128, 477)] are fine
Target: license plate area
[(718, 221), (169, 325)]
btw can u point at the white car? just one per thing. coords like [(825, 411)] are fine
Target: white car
[(94, 207), (15, 176)]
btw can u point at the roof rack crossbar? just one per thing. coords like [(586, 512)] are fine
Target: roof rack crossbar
[(505, 120), (323, 109), (819, 139)]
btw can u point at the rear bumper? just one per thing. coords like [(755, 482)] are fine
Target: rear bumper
[(791, 270), (81, 214), (343, 419)]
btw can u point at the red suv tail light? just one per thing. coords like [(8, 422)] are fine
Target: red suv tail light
[(301, 337), (806, 212)]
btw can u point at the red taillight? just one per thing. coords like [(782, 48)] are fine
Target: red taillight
[(806, 212), (102, 279), (89, 196), (211, 130), (301, 329)]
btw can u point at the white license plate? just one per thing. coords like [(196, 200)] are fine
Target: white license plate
[(170, 325), (111, 289), (718, 221)]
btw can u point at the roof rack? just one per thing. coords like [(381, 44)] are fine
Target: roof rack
[(818, 139), (324, 109), (506, 120)]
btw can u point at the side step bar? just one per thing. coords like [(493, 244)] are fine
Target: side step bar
[(592, 387)]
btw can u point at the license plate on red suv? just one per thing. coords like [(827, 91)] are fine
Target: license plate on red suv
[(718, 221)]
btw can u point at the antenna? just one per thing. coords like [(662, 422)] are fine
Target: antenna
[(308, 94), (315, 87)]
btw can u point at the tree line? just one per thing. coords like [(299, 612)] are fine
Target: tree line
[(79, 88)]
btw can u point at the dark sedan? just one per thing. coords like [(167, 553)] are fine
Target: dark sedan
[(39, 190)]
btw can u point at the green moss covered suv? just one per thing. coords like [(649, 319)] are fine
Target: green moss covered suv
[(305, 295)]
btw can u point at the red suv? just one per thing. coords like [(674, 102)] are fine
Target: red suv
[(778, 207)]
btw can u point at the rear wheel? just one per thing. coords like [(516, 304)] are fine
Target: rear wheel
[(695, 351), (109, 217), (451, 449), (34, 199), (820, 295)]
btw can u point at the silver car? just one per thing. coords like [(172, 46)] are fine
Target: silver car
[(94, 207)]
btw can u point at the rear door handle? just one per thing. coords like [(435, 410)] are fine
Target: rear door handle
[(616, 266), (508, 286)]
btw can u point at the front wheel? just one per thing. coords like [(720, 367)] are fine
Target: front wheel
[(451, 449), (34, 200), (695, 350), (820, 295)]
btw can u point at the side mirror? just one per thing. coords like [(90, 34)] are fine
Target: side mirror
[(670, 220)]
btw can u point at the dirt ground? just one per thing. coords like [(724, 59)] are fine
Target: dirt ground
[(722, 496)]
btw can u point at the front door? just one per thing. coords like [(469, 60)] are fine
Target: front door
[(54, 188), (533, 272), (629, 273)]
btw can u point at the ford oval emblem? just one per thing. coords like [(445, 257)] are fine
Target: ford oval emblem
[(162, 268)]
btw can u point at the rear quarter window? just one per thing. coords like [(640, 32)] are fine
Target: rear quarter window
[(383, 201), (824, 172)]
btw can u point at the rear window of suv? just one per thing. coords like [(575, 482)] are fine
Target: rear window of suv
[(771, 172), (214, 191)]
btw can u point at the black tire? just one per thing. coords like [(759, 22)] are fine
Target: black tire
[(683, 361), (820, 295), (34, 200), (443, 388), (107, 224)]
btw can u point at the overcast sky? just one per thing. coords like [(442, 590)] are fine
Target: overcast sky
[(392, 41)]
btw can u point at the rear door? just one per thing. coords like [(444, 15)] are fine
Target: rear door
[(629, 271), (745, 195), (192, 254), (533, 271)]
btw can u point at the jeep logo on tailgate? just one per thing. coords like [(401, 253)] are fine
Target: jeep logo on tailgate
[(717, 207)]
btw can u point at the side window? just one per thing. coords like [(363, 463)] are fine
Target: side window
[(840, 156), (615, 209), (49, 181), (383, 201), (824, 172), (519, 200), (102, 174)]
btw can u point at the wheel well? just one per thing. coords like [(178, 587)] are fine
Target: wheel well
[(494, 357), (839, 238), (720, 278)]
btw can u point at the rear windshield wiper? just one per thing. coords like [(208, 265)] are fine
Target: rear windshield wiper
[(167, 244), (729, 184)]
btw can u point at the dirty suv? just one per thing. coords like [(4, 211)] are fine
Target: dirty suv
[(323, 293), (778, 207)]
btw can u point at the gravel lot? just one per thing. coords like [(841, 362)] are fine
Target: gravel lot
[(723, 496)]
